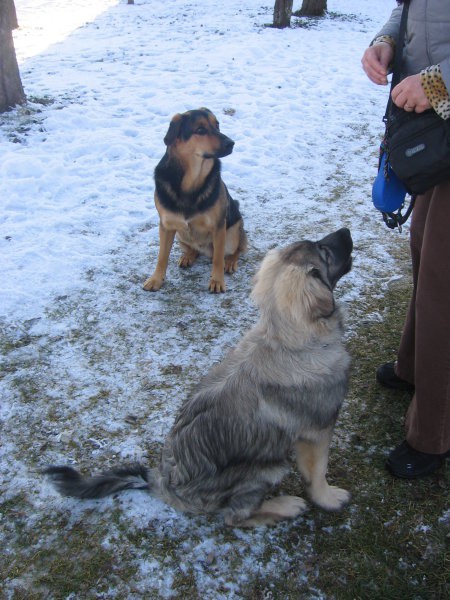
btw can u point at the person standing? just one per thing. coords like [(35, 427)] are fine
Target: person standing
[(423, 361)]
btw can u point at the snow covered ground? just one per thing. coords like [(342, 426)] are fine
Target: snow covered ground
[(94, 367), (301, 112)]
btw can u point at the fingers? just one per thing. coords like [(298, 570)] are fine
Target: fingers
[(410, 96), (400, 99), (375, 61), (373, 68), (375, 74), (409, 93)]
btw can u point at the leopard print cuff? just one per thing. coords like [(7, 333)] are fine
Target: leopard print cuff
[(435, 90), (384, 38)]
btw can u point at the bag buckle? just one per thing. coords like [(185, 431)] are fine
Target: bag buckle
[(397, 219)]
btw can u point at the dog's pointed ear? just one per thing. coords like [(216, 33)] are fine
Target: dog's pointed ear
[(174, 129)]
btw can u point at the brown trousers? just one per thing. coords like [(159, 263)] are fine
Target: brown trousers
[(424, 352)]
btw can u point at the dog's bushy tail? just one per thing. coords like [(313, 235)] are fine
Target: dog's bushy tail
[(70, 482)]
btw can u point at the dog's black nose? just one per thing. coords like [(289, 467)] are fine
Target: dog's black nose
[(226, 146), (229, 144)]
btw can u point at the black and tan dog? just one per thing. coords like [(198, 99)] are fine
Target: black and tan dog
[(193, 202)]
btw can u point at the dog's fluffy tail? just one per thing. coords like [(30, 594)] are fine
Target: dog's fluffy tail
[(69, 482)]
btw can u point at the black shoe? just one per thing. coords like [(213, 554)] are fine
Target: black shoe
[(407, 463), (387, 377)]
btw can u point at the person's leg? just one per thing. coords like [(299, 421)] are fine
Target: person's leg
[(399, 375), (405, 366), (428, 418)]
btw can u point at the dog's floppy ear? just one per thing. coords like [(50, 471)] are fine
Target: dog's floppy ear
[(174, 129)]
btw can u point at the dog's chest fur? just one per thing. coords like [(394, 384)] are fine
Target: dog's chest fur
[(195, 232), (168, 183)]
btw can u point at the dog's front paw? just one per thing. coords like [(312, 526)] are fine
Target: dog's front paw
[(216, 286), (331, 498), (187, 259), (153, 284), (231, 264), (270, 512), (285, 507)]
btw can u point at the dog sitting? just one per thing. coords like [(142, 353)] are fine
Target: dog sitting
[(193, 202), (280, 389)]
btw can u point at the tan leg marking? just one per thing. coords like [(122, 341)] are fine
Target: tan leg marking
[(153, 283), (237, 239), (312, 462), (231, 262), (217, 280)]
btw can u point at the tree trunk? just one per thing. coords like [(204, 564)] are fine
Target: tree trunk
[(282, 12), (312, 8), (11, 90)]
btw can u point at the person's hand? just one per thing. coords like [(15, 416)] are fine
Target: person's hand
[(409, 95), (375, 62)]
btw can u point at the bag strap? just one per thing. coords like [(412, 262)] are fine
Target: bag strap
[(394, 220), (398, 56), (400, 44)]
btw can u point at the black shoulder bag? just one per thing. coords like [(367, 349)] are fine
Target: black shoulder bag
[(416, 146)]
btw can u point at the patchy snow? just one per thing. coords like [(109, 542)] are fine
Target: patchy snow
[(94, 367), (304, 114)]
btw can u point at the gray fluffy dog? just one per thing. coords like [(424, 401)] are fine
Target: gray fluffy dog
[(278, 391)]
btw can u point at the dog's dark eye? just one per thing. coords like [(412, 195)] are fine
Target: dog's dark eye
[(201, 131), (315, 273)]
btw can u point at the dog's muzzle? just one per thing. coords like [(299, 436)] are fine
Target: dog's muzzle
[(226, 146)]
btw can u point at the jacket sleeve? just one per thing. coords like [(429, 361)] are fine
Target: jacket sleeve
[(392, 26), (445, 71), (435, 90)]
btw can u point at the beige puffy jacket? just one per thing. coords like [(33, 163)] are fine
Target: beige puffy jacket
[(427, 40)]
